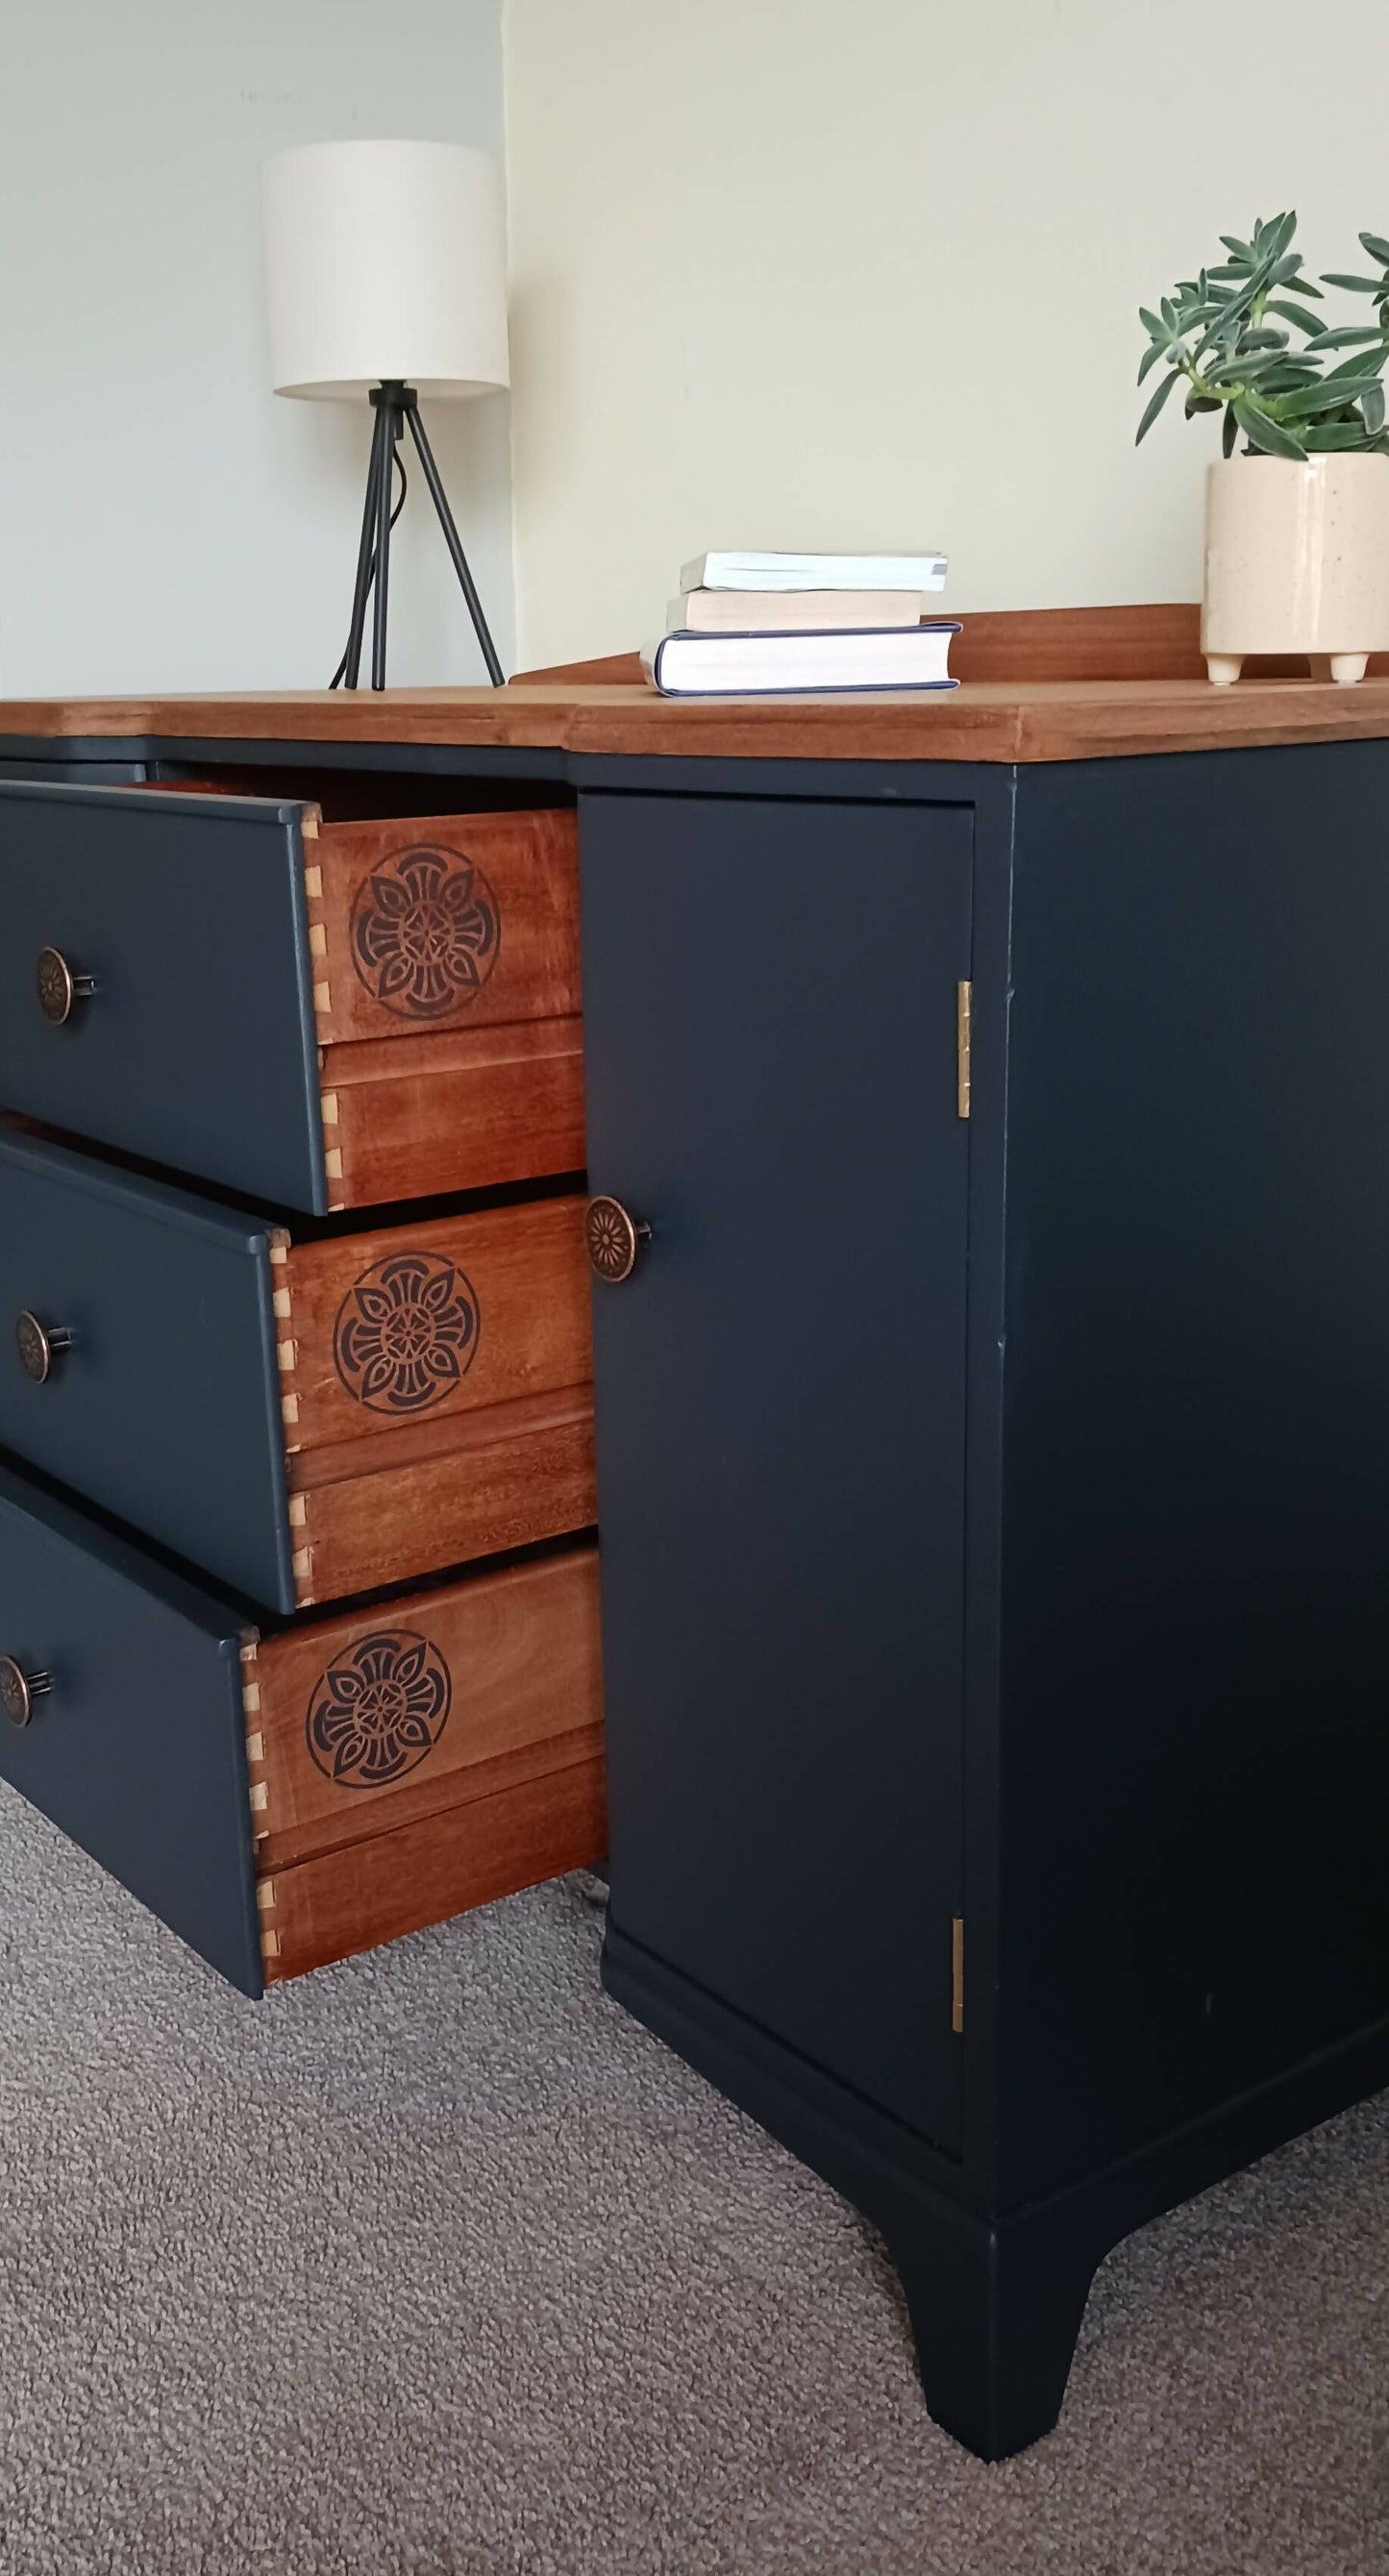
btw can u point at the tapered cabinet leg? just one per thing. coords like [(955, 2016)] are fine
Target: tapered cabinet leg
[(995, 2313)]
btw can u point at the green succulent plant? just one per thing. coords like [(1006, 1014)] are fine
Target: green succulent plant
[(1219, 335)]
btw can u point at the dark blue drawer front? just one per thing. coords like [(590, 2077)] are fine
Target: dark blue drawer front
[(197, 1047), (166, 1408), (138, 1750)]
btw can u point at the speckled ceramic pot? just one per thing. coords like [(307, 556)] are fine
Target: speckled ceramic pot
[(1297, 561)]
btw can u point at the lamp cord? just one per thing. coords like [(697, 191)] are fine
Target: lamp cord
[(398, 462)]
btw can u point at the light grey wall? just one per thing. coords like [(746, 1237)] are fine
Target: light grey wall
[(166, 522), (844, 273)]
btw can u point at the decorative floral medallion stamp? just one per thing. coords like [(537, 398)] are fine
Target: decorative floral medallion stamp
[(425, 933), (379, 1709), (407, 1332)]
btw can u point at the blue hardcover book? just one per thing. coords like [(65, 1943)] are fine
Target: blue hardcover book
[(687, 665)]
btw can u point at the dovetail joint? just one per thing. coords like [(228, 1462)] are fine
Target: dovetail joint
[(255, 1738), (318, 927), (287, 1355)]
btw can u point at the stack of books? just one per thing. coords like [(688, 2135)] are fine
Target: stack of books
[(768, 624)]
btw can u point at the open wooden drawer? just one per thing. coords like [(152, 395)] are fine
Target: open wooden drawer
[(307, 1412), (286, 1796), (322, 1014), (408, 1762)]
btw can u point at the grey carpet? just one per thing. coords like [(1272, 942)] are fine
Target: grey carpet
[(436, 2265)]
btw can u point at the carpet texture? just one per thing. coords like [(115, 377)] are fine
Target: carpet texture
[(436, 2265)]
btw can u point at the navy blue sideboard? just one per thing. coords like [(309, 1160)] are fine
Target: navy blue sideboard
[(992, 1468)]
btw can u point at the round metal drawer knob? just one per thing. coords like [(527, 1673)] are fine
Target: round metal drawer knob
[(614, 1239), (39, 1345), (19, 1690), (59, 986)]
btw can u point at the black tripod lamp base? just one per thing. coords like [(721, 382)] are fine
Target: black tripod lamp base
[(395, 404)]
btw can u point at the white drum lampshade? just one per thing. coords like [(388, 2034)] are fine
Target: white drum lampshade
[(385, 260), (386, 277)]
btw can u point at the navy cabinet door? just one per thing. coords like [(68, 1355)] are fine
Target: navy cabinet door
[(770, 1011)]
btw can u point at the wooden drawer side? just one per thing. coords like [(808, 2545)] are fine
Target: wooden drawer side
[(420, 1323), (361, 1722), (463, 1110), (444, 921), (423, 1873), (416, 1502)]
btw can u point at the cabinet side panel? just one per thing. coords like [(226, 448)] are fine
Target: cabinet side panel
[(1196, 1522)]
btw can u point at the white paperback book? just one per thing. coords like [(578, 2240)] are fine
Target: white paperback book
[(768, 612), (715, 666), (735, 571)]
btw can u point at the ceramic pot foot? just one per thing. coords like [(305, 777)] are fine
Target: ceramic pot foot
[(1345, 668), (1223, 669)]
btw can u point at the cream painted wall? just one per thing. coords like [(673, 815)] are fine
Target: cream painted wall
[(167, 523), (864, 272)]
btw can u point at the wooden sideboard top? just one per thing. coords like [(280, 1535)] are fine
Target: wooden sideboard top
[(1043, 684)]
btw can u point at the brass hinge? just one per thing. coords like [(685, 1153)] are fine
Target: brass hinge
[(957, 1972), (964, 1007)]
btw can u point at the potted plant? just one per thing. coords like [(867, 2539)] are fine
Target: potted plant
[(1297, 541)]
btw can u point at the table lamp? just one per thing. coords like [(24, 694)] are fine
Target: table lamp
[(386, 270)]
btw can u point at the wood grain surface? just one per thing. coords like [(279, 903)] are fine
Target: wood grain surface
[(524, 869), (466, 1109), (440, 1494), (520, 1649), (439, 1865), (1060, 684), (419, 1323)]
